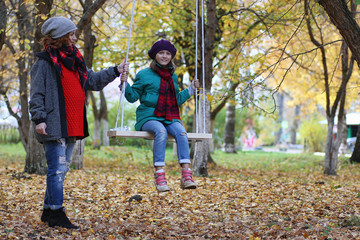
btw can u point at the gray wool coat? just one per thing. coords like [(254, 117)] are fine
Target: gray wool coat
[(47, 103)]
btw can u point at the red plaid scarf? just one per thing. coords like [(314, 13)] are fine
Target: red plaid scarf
[(71, 58), (167, 105)]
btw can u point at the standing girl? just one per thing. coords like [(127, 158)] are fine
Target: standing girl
[(157, 89), (59, 79)]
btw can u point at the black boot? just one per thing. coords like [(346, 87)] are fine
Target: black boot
[(59, 218), (45, 215)]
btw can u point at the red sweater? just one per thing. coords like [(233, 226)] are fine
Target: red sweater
[(74, 102)]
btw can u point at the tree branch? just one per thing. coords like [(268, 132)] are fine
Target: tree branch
[(86, 18)]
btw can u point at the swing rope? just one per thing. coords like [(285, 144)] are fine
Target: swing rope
[(197, 107), (196, 67), (203, 62), (122, 95)]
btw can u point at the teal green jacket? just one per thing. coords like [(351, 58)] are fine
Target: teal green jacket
[(146, 88)]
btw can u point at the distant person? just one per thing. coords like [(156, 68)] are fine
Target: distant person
[(59, 79), (157, 89)]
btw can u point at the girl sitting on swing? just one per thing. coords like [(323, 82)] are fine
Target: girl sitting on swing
[(157, 89)]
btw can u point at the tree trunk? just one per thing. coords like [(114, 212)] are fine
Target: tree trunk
[(89, 46), (96, 134), (35, 157), (343, 19), (35, 154), (24, 31), (330, 160), (332, 146), (3, 22), (105, 137), (211, 141), (343, 145), (355, 156), (280, 103), (78, 154), (202, 151), (229, 137), (295, 125), (331, 157), (104, 118), (43, 10)]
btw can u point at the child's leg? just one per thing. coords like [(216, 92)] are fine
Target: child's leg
[(177, 130), (159, 146), (160, 134)]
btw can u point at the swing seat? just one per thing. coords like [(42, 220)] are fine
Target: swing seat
[(147, 135)]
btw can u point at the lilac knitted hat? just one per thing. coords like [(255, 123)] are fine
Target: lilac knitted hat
[(160, 45)]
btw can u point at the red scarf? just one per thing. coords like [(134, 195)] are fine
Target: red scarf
[(167, 105), (72, 59)]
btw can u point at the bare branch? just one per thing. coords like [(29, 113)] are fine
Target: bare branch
[(323, 55), (86, 18), (8, 105)]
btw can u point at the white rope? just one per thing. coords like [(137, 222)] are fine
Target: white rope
[(122, 95), (203, 60), (196, 68)]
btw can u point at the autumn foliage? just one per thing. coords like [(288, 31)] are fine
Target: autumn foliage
[(113, 197)]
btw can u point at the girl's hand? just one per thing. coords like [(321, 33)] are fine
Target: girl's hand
[(40, 128), (195, 83), (123, 77)]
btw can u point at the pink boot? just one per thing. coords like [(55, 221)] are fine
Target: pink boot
[(160, 182), (186, 180)]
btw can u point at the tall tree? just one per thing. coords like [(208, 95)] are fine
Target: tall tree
[(337, 107), (230, 119), (35, 155), (19, 45), (343, 19)]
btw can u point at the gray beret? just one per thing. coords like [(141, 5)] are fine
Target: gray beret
[(57, 27)]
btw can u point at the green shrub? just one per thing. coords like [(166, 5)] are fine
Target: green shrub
[(9, 134), (313, 134)]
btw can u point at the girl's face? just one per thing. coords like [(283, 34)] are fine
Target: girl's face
[(72, 38), (163, 57)]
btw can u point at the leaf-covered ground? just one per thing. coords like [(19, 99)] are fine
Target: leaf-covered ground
[(230, 204)]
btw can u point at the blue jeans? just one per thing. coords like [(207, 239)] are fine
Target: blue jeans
[(160, 131), (58, 157)]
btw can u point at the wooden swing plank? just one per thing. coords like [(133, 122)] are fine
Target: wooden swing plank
[(150, 136)]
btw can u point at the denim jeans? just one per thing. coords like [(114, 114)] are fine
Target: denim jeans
[(160, 131), (58, 157)]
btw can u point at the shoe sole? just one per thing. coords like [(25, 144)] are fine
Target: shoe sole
[(188, 187), (163, 190)]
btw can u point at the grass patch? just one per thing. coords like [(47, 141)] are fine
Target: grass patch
[(132, 159), (268, 161), (353, 221), (12, 154)]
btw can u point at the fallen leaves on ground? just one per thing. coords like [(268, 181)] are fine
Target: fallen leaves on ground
[(230, 204)]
